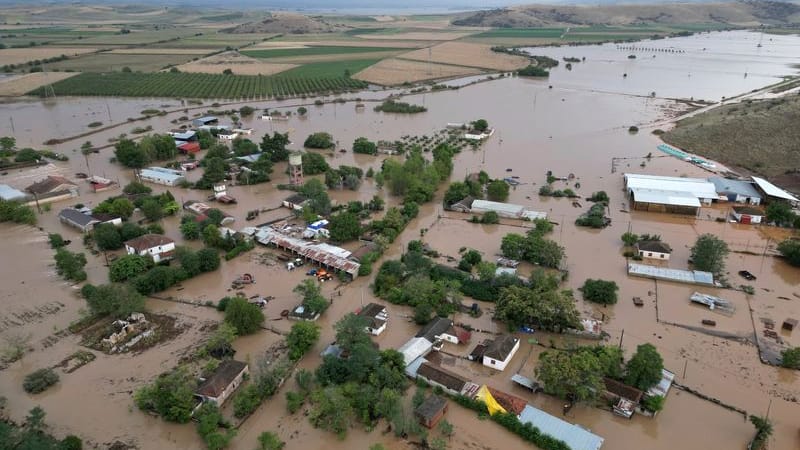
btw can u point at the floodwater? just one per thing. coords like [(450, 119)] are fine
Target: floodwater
[(577, 127)]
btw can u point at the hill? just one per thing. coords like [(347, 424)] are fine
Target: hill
[(761, 137), (746, 13), (285, 23)]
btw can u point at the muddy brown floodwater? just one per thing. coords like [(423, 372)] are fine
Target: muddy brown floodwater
[(578, 126)]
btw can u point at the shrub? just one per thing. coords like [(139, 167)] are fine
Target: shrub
[(39, 381), (654, 403), (600, 291), (246, 401), (245, 317)]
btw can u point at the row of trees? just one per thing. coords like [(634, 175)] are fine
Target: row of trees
[(533, 246), (155, 147), (416, 179)]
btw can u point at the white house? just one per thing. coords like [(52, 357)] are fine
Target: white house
[(218, 387), (158, 247), (499, 352), (227, 136), (376, 316), (162, 175), (414, 348), (442, 328), (243, 131), (653, 250)]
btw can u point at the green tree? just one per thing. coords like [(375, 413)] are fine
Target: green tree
[(70, 265), (709, 253), (332, 411), (630, 239), (763, 432), (245, 317), (780, 213), (318, 200), (314, 164), (107, 237), (544, 306), (56, 241), (128, 267), (118, 300), (205, 139), (497, 191), (16, 212), (456, 192), (269, 441), (446, 428), (219, 344), (480, 125), (600, 291), (214, 172), (135, 187), (790, 249), (27, 155), (244, 147), (152, 210), (275, 146), (190, 229), (7, 143), (129, 154), (575, 375), (301, 338), (365, 146), (171, 396), (319, 140), (209, 419), (791, 358), (211, 236), (301, 111), (209, 259), (39, 380), (246, 111), (344, 227), (311, 295), (643, 371)]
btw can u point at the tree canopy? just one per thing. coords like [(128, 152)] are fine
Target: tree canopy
[(344, 227), (301, 338), (244, 316), (365, 146), (600, 291), (790, 249), (118, 300), (644, 369), (543, 305), (709, 253), (319, 140), (497, 191)]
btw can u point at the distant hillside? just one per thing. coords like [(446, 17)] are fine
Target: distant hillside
[(733, 13), (759, 136), (287, 23)]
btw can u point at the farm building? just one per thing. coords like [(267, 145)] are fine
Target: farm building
[(77, 219), (219, 386), (162, 175), (499, 351), (664, 273), (437, 376), (10, 194), (653, 250), (772, 192), (416, 347), (576, 437), (507, 210), (327, 256), (442, 328), (187, 148), (431, 411), (747, 214), (205, 121), (184, 136), (157, 246), (52, 189), (738, 191), (294, 202), (669, 194), (200, 210), (376, 316)]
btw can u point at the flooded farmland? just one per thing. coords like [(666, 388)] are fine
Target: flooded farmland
[(579, 126)]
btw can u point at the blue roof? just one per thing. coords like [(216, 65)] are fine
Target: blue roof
[(205, 119), (726, 185), (574, 436), (8, 193), (185, 136)]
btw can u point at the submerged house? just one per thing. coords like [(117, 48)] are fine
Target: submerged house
[(52, 189), (162, 175), (499, 351), (157, 246), (437, 376), (748, 214), (11, 194), (576, 437), (674, 195), (376, 316), (205, 121), (738, 191), (772, 192), (226, 379), (77, 219), (653, 250), (431, 411)]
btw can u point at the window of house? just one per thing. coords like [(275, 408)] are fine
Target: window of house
[(650, 254), (662, 256)]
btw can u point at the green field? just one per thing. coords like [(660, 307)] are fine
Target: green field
[(522, 33), (317, 50), (23, 37), (218, 40), (201, 85), (329, 69), (112, 62), (136, 37)]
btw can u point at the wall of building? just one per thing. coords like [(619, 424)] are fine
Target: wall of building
[(654, 255), (671, 209)]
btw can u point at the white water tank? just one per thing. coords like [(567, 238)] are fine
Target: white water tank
[(295, 159)]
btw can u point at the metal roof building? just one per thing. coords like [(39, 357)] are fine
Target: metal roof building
[(416, 347), (574, 436), (8, 193), (661, 197), (665, 273), (697, 187), (507, 210), (326, 255), (205, 120), (736, 190), (774, 191), (162, 175)]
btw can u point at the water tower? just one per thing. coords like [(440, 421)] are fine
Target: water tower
[(296, 169)]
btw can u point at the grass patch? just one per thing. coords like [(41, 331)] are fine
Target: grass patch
[(203, 85), (522, 33), (316, 50), (111, 62), (329, 69)]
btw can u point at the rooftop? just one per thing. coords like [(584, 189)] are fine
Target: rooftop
[(654, 246), (501, 347), (696, 187), (574, 436), (434, 328), (375, 314), (8, 193), (325, 254), (226, 372), (664, 273), (774, 191), (740, 187), (414, 348), (748, 210), (431, 407), (664, 197), (148, 241), (623, 390), (74, 216), (439, 375), (511, 403), (161, 173), (48, 184)]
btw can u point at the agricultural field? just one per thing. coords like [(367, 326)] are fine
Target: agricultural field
[(350, 42), (393, 72), (16, 85), (111, 62), (199, 85), (468, 55), (159, 51), (213, 40), (24, 37), (23, 55), (430, 35), (137, 37), (522, 33), (315, 51), (239, 64), (329, 69)]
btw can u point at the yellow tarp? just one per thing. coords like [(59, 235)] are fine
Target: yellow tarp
[(486, 397)]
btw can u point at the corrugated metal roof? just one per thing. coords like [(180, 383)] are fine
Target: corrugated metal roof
[(414, 348), (152, 174), (774, 191), (413, 367), (697, 187), (662, 197), (499, 208), (325, 254), (665, 273), (8, 193), (744, 188), (574, 436)]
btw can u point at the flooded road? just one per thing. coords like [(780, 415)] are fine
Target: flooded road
[(576, 127)]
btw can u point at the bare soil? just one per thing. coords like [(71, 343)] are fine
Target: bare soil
[(238, 63), (468, 55), (416, 36), (394, 71), (23, 55), (283, 22), (159, 51)]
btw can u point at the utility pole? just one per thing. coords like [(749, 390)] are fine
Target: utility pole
[(620, 338)]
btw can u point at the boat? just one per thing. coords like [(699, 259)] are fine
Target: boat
[(511, 181)]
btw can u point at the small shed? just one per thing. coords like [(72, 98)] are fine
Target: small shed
[(431, 411), (205, 121), (653, 250), (77, 219), (748, 214), (789, 324)]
